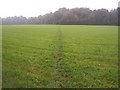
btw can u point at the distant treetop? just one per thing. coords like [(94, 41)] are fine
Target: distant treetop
[(64, 16)]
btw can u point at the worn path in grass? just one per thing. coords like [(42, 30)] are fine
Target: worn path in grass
[(60, 76)]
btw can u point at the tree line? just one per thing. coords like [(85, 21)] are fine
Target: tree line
[(64, 16)]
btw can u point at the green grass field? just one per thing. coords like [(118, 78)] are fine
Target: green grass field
[(45, 56), (0, 57)]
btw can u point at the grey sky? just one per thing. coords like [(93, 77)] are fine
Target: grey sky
[(33, 8)]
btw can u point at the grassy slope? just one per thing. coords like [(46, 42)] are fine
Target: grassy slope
[(88, 56)]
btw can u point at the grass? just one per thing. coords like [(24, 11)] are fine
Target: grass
[(0, 57), (60, 56)]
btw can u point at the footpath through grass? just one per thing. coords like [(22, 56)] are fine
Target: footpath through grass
[(48, 56)]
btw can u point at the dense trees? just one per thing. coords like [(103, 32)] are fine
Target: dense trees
[(119, 16), (79, 16), (14, 20), (0, 20)]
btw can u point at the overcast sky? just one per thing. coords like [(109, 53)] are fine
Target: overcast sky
[(31, 8)]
